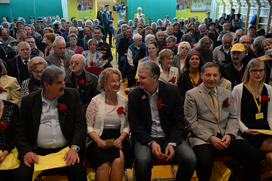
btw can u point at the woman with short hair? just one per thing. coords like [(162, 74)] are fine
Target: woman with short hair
[(179, 60), (93, 57), (49, 39), (72, 39)]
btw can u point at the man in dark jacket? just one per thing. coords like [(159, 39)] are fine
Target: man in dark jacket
[(105, 18), (85, 82)]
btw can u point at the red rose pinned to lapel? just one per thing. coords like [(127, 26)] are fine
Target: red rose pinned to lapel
[(120, 110), (226, 103), (235, 39), (102, 46), (159, 105), (141, 16), (163, 47), (91, 63), (265, 98), (1, 89), (82, 82), (67, 64), (173, 80), (63, 108), (198, 83), (3, 126)]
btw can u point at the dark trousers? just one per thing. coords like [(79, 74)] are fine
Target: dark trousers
[(245, 154), (74, 172), (123, 66), (110, 36)]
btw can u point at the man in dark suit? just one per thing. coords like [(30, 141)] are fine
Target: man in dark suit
[(59, 58), (155, 114), (17, 67), (105, 18), (51, 119), (85, 82)]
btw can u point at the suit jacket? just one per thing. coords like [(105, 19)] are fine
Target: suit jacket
[(17, 69), (105, 18), (123, 46), (53, 60), (171, 117), (73, 124), (201, 117), (10, 87)]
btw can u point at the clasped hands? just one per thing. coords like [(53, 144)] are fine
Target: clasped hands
[(117, 143), (71, 157), (221, 144), (156, 150)]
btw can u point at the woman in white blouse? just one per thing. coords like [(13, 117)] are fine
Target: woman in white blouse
[(93, 57), (107, 128), (168, 73)]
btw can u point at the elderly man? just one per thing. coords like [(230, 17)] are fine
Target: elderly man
[(105, 18), (204, 48), (202, 28), (74, 30), (103, 47), (252, 32), (256, 46), (59, 57), (121, 35), (131, 53), (34, 51), (20, 36), (160, 40), (88, 31), (239, 33), (214, 126), (51, 119), (156, 119), (171, 42), (122, 50), (227, 27), (234, 71), (5, 36), (18, 66), (67, 28), (246, 41), (27, 28), (85, 82), (170, 30), (220, 53), (5, 24)]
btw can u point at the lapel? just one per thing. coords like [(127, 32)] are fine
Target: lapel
[(206, 98), (37, 111), (56, 60), (3, 81), (63, 100), (221, 98), (161, 98), (146, 106)]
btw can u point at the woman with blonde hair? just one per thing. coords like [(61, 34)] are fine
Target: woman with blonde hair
[(9, 86), (254, 110), (168, 72), (179, 60), (107, 128)]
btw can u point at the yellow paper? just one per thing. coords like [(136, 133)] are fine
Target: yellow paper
[(54, 160), (220, 172), (139, 62), (109, 143), (268, 132), (11, 161)]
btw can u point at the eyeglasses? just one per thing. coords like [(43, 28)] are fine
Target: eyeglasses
[(37, 72), (245, 42), (255, 71), (76, 63)]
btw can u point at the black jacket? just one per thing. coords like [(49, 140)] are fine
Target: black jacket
[(123, 46), (232, 75)]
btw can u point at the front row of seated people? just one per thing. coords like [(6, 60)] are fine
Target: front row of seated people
[(52, 118)]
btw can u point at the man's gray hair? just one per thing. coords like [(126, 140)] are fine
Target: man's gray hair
[(149, 36), (23, 43), (238, 31), (71, 28), (50, 74), (137, 36), (151, 67), (21, 31), (124, 26), (227, 35), (258, 40), (89, 21), (172, 38), (170, 26), (200, 26), (58, 38), (222, 33), (5, 22)]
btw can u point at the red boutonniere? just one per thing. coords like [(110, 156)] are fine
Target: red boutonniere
[(102, 46), (3, 126), (159, 105), (180, 37), (120, 110), (63, 108), (163, 47), (173, 80), (226, 103), (67, 64), (198, 83), (91, 63), (2, 90), (265, 98), (235, 39), (141, 16), (82, 82)]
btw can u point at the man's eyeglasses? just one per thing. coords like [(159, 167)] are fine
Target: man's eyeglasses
[(255, 71), (76, 63)]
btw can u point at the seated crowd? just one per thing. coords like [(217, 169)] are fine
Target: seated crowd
[(196, 89)]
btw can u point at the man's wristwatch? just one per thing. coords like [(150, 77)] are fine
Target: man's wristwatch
[(75, 148)]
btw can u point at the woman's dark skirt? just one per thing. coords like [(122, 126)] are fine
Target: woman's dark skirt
[(257, 140)]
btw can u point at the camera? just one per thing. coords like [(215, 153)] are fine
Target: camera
[(119, 7)]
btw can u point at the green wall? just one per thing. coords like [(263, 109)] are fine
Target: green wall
[(154, 9), (27, 8)]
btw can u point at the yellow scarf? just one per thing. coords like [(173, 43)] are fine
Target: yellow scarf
[(194, 76)]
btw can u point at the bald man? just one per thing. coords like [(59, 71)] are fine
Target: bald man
[(5, 36), (83, 81), (18, 66)]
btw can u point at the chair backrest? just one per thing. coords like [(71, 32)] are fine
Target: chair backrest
[(96, 70)]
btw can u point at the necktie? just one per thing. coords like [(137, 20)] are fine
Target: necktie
[(62, 65), (77, 84), (26, 61), (215, 105)]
